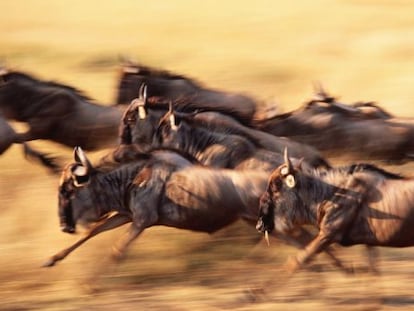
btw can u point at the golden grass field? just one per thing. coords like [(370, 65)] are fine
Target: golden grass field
[(272, 50)]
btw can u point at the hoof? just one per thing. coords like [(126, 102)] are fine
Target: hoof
[(49, 263), (253, 295)]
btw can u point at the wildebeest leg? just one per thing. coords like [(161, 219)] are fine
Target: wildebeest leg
[(119, 249), (303, 238), (8, 137), (316, 246), (44, 159), (108, 224), (306, 237)]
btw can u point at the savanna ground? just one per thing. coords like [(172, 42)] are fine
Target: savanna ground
[(272, 50)]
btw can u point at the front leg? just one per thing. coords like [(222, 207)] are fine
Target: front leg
[(338, 214), (306, 237), (108, 224), (317, 245)]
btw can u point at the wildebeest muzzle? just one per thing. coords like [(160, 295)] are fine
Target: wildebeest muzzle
[(265, 224), (67, 223)]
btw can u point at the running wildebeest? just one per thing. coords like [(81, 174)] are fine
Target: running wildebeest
[(8, 137), (57, 112), (228, 146), (338, 130), (158, 188), (141, 119), (170, 86), (357, 204), (212, 137)]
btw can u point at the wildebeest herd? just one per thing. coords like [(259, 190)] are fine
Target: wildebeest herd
[(186, 156)]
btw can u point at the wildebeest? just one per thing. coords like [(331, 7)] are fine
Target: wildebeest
[(57, 112), (338, 130), (170, 86), (8, 137), (357, 204), (157, 188), (228, 146)]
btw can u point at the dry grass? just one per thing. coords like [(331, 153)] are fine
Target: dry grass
[(273, 50)]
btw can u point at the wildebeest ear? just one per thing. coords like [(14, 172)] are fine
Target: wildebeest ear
[(81, 158), (290, 181), (128, 65), (3, 71), (298, 165), (80, 175), (320, 93)]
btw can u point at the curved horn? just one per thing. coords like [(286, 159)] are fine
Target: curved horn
[(173, 124), (142, 101), (288, 163), (142, 93), (81, 158)]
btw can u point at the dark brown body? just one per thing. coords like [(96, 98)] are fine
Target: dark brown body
[(57, 112), (8, 137), (360, 131), (218, 142)]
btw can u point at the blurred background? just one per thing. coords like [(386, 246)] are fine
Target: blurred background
[(271, 50)]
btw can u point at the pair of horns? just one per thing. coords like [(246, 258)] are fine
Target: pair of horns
[(170, 116), (323, 96), (141, 101)]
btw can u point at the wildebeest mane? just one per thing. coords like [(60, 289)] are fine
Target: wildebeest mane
[(125, 154), (361, 167), (381, 112), (190, 104), (26, 78), (206, 128), (373, 168), (148, 71)]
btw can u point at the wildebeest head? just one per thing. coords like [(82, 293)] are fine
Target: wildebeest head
[(138, 107), (167, 129), (162, 83), (74, 197), (279, 199), (138, 122), (173, 128)]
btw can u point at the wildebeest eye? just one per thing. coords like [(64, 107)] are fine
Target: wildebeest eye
[(66, 190), (130, 116), (276, 185)]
